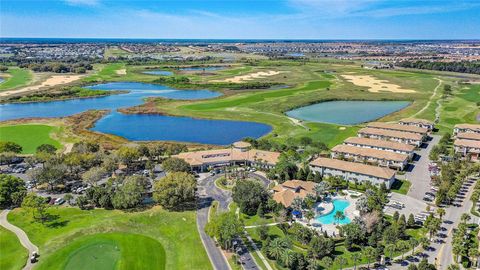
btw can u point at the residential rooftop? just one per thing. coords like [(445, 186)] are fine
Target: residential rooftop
[(381, 143), (468, 136), (468, 126), (346, 166), (198, 158), (368, 152), (391, 133), (286, 192), (416, 121), (467, 143), (397, 127)]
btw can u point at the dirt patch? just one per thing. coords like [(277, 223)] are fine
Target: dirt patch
[(122, 71), (53, 80), (376, 85), (251, 76)]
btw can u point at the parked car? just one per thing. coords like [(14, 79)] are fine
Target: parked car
[(59, 201)]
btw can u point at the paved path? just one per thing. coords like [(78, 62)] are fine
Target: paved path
[(420, 176), (430, 100), (22, 236)]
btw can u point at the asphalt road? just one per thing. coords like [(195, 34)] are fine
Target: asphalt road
[(207, 193)]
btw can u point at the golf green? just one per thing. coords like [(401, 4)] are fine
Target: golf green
[(29, 136), (110, 251)]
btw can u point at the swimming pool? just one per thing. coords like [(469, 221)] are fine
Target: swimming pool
[(338, 205)]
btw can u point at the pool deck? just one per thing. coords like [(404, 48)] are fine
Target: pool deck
[(331, 229)]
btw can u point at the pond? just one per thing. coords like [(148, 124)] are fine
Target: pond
[(158, 72), (142, 127), (347, 112), (338, 205), (1, 80)]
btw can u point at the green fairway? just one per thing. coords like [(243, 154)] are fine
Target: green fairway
[(108, 252), (71, 228), (29, 136), (18, 77), (12, 254)]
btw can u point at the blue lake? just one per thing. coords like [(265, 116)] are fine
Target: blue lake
[(158, 72), (347, 112), (142, 127)]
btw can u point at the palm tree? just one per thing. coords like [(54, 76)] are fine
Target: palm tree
[(287, 257), (425, 242), (453, 267), (473, 255), (327, 262), (339, 215), (276, 248), (440, 212), (341, 261), (309, 215), (320, 189), (369, 254), (390, 249), (413, 243), (465, 217), (402, 246), (355, 256)]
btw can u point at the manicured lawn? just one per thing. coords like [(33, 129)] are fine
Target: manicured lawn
[(12, 254), (29, 136), (108, 252), (18, 77), (175, 231), (401, 186)]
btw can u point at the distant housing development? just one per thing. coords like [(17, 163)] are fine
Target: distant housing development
[(286, 192), (239, 154), (391, 135), (353, 171)]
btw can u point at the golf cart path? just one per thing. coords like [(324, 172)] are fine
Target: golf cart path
[(22, 236)]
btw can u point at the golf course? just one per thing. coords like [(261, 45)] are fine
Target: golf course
[(110, 239)]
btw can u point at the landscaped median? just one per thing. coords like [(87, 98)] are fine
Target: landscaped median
[(165, 240)]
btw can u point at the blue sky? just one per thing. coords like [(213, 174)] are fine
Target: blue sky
[(247, 19)]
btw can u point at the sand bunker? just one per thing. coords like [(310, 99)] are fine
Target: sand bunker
[(249, 77), (53, 80), (122, 71), (376, 85)]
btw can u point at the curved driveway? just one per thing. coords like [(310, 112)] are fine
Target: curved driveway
[(22, 236)]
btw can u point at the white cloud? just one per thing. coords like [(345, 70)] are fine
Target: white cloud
[(82, 2)]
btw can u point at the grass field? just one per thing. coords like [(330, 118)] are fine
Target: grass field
[(17, 77), (30, 136), (109, 251), (12, 254), (175, 231)]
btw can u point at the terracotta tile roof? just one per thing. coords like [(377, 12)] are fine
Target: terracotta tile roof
[(468, 126), (198, 158), (285, 193), (468, 136), (368, 152), (391, 133), (467, 143), (416, 121), (381, 143), (346, 166), (398, 127)]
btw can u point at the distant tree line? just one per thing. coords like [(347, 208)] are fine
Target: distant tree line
[(58, 67), (462, 66)]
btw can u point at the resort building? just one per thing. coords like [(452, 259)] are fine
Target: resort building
[(239, 154), (468, 148), (391, 135), (461, 128), (352, 171), (395, 147), (468, 136), (398, 127), (417, 123), (286, 192), (372, 156)]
